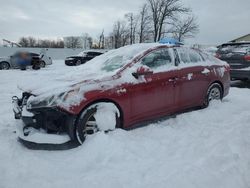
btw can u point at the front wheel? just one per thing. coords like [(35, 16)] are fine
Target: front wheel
[(98, 117), (78, 62), (4, 65), (42, 64), (214, 92)]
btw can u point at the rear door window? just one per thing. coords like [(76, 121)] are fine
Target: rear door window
[(189, 56)]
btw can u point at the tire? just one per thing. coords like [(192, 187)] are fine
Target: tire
[(78, 62), (87, 125), (35, 67), (214, 92), (4, 65), (42, 64), (23, 68)]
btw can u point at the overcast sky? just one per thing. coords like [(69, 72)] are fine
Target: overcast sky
[(219, 20)]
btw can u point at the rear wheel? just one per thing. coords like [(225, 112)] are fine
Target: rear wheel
[(78, 62), (89, 122), (4, 65), (214, 92)]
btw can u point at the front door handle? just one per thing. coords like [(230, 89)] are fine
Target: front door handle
[(173, 79)]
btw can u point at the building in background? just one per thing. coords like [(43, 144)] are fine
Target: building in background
[(242, 39)]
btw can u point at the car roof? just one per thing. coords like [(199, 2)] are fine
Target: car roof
[(26, 52), (94, 52), (234, 43)]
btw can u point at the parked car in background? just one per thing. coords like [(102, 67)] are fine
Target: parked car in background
[(238, 56), (120, 89), (81, 58), (22, 59)]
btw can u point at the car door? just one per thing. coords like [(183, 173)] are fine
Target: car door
[(154, 95), (14, 60), (193, 78)]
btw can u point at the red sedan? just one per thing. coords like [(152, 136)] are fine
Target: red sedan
[(121, 89)]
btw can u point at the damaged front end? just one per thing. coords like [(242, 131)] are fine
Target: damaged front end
[(42, 124)]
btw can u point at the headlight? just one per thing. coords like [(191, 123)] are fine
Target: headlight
[(69, 58), (37, 102), (54, 100)]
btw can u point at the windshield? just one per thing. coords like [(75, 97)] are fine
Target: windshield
[(112, 64), (114, 60), (82, 54)]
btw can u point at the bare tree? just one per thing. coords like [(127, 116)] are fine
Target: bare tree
[(120, 34), (72, 42), (101, 40), (162, 10), (24, 42), (39, 43), (109, 41), (185, 28), (132, 22), (32, 41), (144, 28), (50, 43), (87, 41)]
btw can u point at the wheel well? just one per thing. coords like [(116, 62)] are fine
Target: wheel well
[(218, 82), (5, 62), (106, 100)]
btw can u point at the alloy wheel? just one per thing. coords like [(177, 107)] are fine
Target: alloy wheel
[(214, 94)]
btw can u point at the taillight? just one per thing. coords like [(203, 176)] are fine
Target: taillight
[(247, 57), (217, 55)]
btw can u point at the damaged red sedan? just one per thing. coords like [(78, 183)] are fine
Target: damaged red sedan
[(120, 89)]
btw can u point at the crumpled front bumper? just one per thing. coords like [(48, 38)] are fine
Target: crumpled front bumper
[(47, 127), (39, 136)]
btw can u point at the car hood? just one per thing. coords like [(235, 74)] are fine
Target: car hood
[(57, 86), (4, 58)]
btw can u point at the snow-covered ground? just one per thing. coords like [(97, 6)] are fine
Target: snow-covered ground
[(205, 148)]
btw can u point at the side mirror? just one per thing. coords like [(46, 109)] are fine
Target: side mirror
[(142, 71)]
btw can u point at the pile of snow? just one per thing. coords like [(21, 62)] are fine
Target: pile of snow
[(205, 148)]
